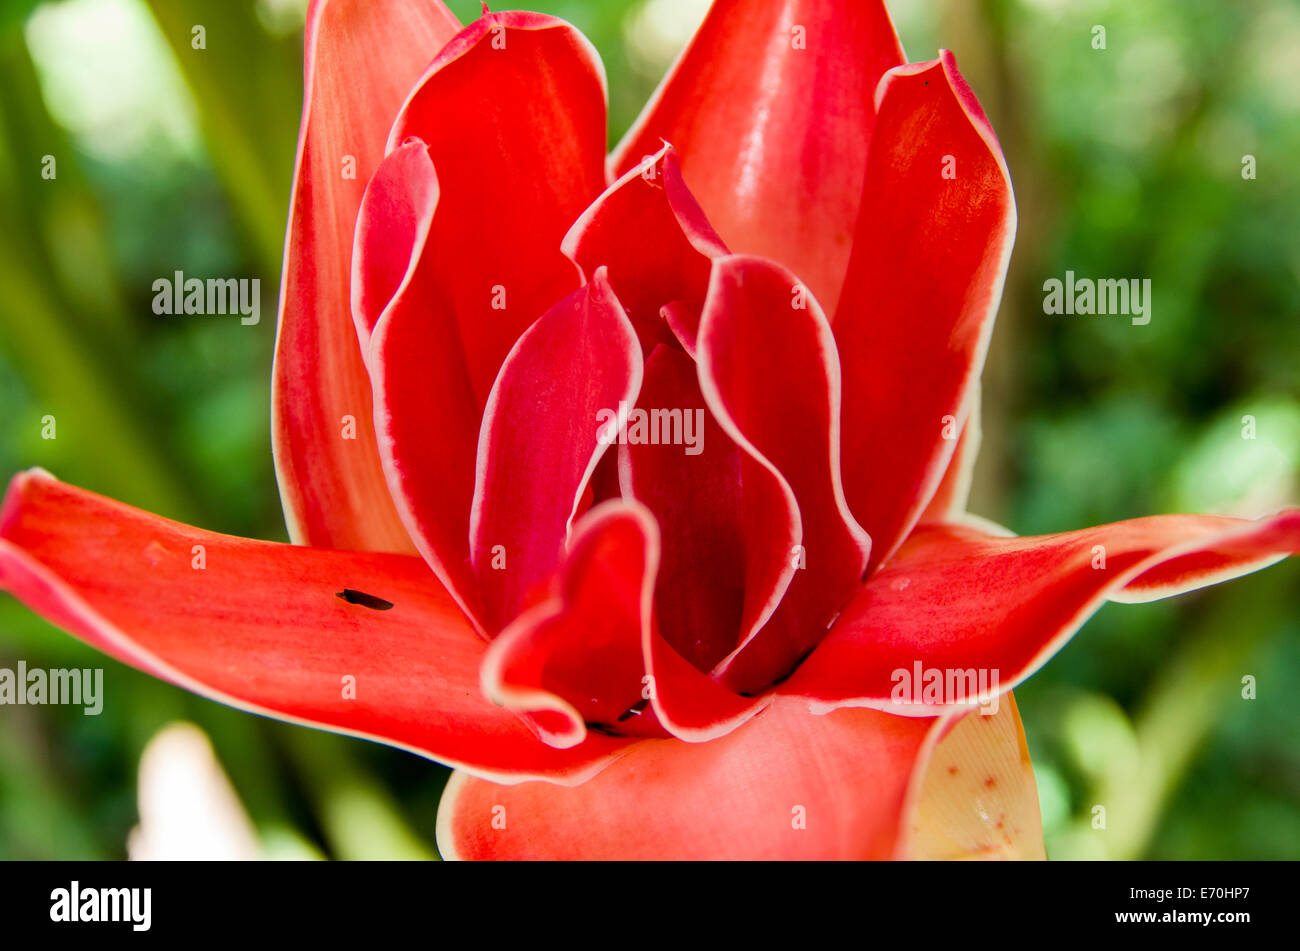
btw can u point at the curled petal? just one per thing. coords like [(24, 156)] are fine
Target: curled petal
[(929, 258), (426, 416), (956, 598), (696, 496), (649, 232), (687, 703), (541, 440), (769, 372), (392, 228), (576, 659), (771, 109), (591, 657), (513, 114)]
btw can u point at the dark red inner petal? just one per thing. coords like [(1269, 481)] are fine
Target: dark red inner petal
[(695, 495)]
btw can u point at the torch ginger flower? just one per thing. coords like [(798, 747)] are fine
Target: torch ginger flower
[(627, 650)]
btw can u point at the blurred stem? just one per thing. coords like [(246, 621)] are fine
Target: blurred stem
[(232, 148), (1182, 707), (358, 817), (85, 408), (67, 238), (38, 820), (983, 32), (63, 365)]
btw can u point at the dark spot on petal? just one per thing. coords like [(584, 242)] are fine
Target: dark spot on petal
[(952, 770), (633, 711), (352, 596), (990, 782)]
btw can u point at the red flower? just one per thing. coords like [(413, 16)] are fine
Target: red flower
[(667, 649)]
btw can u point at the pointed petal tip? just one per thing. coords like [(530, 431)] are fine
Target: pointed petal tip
[(946, 65), (927, 116), (16, 489), (931, 604)]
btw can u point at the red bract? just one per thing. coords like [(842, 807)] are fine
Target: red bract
[(633, 647)]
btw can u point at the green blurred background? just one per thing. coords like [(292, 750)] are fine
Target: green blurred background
[(1127, 163)]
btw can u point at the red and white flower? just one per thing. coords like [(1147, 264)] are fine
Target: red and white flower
[(626, 650)]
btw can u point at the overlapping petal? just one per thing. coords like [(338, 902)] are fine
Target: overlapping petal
[(769, 373), (785, 785), (978, 798), (358, 643), (426, 416), (513, 114), (697, 498), (929, 257), (591, 657), (956, 598), (771, 109), (541, 439), (576, 658), (649, 232), (361, 58)]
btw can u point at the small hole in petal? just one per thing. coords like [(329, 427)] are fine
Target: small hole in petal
[(352, 596)]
